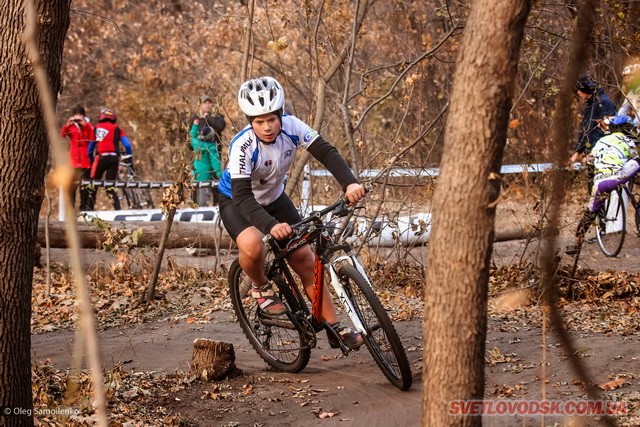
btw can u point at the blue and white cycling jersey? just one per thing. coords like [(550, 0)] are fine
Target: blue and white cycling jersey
[(266, 164)]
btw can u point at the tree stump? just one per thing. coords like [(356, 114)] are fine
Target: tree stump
[(213, 360)]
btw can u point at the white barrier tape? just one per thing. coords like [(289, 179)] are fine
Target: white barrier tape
[(144, 184), (367, 173), (431, 172), (201, 214)]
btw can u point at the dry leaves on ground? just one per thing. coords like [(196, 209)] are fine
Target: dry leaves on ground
[(116, 290)]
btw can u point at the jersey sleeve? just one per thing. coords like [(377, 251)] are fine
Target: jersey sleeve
[(240, 155), (305, 133)]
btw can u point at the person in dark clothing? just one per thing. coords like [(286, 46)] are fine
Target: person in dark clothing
[(597, 106)]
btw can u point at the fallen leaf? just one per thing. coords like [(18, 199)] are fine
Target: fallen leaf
[(323, 415), (612, 385)]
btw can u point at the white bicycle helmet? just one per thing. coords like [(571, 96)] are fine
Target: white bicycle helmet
[(260, 96)]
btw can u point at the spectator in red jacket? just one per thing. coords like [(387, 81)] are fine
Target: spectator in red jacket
[(80, 133)]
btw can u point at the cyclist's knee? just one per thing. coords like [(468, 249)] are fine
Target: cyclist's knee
[(250, 246)]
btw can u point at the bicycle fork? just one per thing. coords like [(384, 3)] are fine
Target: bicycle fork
[(342, 294)]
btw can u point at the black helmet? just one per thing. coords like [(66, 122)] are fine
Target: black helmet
[(585, 84)]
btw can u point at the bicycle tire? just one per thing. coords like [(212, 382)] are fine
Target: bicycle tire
[(611, 243), (283, 348), (138, 198), (131, 198), (381, 337), (636, 212)]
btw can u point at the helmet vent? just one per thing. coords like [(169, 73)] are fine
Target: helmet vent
[(260, 96)]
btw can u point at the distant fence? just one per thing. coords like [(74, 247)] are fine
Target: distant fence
[(411, 227)]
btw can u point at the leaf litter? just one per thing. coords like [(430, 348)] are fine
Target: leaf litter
[(605, 302)]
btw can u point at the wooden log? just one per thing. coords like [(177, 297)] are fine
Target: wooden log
[(516, 234), (213, 360), (183, 234)]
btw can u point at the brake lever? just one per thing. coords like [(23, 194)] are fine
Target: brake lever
[(342, 210)]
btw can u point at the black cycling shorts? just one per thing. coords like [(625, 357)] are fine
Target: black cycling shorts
[(235, 223)]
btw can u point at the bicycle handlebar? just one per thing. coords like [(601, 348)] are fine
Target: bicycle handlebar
[(341, 204)]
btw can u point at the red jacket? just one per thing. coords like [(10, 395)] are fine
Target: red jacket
[(79, 137)]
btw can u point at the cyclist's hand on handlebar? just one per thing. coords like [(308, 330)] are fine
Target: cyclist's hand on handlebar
[(281, 231), (355, 192)]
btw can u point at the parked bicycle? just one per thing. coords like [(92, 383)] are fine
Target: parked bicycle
[(285, 341), (611, 222), (136, 197)]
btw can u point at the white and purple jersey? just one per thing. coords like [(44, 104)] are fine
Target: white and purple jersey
[(266, 164)]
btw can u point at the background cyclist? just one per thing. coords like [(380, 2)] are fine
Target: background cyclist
[(252, 198), (106, 149), (614, 162)]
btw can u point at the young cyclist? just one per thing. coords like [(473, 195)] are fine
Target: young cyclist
[(615, 163), (252, 198)]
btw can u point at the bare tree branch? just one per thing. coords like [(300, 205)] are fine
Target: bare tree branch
[(296, 173), (404, 73), (244, 70)]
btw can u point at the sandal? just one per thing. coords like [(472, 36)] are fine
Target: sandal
[(268, 301)]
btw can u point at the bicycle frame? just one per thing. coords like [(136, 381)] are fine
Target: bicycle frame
[(325, 246)]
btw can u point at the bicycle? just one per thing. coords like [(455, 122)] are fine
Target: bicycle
[(136, 197), (285, 341), (611, 221)]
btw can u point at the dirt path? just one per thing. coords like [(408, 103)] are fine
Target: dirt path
[(352, 388)]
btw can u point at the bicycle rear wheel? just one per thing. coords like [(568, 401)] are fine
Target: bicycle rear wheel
[(276, 340), (138, 198), (611, 225), (381, 337)]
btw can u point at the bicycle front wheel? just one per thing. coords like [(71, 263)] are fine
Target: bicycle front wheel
[(276, 340), (633, 186), (381, 337), (611, 225)]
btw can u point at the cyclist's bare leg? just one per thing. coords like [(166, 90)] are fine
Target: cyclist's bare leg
[(251, 254), (302, 262)]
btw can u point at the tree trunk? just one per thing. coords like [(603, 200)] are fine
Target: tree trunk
[(23, 159), (183, 234), (463, 210)]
